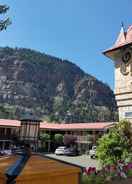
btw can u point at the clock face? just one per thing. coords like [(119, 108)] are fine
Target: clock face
[(126, 57)]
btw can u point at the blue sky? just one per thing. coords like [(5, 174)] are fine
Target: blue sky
[(77, 30)]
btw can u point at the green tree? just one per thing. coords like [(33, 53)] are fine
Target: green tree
[(58, 138), (45, 138), (4, 22), (57, 104), (116, 145)]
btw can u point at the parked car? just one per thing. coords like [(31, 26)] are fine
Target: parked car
[(71, 152), (92, 152), (5, 152), (8, 152), (60, 150)]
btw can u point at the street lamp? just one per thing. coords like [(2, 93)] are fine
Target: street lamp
[(29, 130)]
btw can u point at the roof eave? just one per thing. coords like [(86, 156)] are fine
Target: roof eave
[(115, 48)]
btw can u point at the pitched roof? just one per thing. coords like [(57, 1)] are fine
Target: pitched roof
[(124, 38), (121, 39), (56, 126)]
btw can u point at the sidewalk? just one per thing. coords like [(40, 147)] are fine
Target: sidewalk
[(83, 160)]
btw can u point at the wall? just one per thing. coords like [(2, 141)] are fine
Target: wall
[(123, 88)]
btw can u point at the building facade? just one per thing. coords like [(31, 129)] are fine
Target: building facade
[(9, 129), (121, 54)]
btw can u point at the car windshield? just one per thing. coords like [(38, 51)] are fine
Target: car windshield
[(61, 147), (94, 148)]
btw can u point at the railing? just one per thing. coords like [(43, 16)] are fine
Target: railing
[(83, 139), (5, 137)]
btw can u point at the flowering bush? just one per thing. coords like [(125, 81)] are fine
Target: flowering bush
[(90, 170), (114, 151), (90, 176), (116, 144)]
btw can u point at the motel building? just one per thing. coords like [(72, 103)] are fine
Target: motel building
[(10, 128)]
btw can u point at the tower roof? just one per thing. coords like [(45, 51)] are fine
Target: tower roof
[(124, 38)]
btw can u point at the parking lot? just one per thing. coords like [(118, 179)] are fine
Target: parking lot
[(82, 160)]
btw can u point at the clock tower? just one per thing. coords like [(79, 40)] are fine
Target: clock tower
[(121, 54)]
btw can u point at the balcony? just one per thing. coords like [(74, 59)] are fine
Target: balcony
[(84, 139)]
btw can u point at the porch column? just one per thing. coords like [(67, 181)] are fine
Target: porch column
[(94, 137), (49, 141), (5, 136), (3, 145)]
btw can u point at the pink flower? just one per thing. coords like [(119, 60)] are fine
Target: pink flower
[(125, 168), (90, 170), (94, 170)]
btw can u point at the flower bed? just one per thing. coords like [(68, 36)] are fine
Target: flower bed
[(110, 174), (99, 180), (126, 181)]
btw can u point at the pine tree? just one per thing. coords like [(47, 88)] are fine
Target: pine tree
[(4, 22)]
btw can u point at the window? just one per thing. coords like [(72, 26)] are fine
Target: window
[(128, 114)]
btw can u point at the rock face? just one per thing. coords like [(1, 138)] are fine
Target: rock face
[(54, 89)]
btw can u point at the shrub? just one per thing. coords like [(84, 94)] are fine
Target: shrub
[(115, 145), (45, 141), (92, 179), (44, 137)]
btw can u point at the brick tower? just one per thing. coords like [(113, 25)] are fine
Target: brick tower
[(121, 54)]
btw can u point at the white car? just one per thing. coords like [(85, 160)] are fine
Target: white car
[(92, 152), (6, 152), (60, 150)]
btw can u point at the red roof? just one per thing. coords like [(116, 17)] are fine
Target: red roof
[(9, 123), (76, 126), (124, 38), (56, 126)]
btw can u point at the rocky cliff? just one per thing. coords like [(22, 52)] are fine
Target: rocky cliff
[(52, 88)]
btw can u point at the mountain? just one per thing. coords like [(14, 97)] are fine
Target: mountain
[(51, 88)]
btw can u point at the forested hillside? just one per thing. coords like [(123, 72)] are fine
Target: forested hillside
[(52, 88)]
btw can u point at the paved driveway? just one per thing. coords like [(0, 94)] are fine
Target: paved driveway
[(82, 160)]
